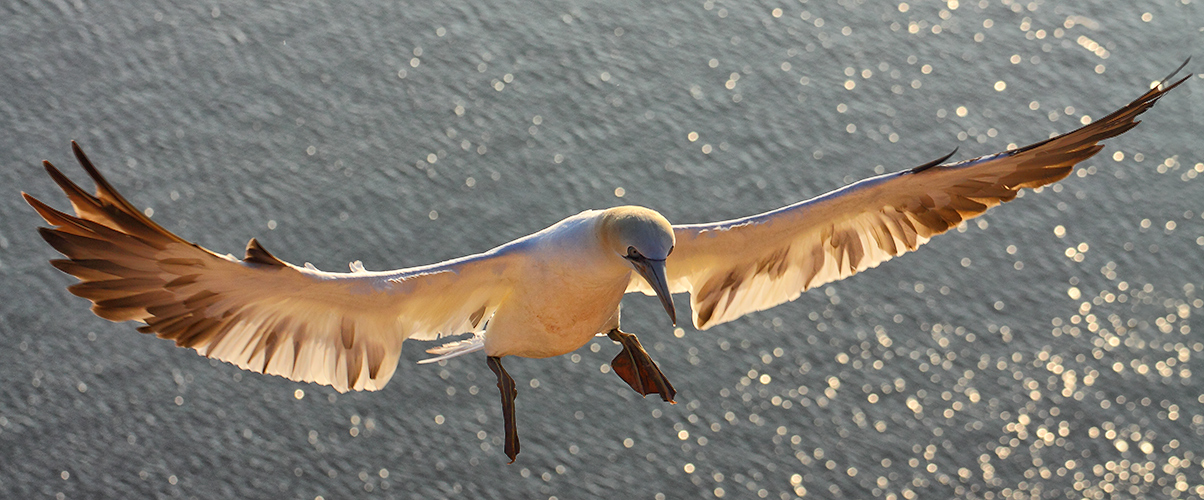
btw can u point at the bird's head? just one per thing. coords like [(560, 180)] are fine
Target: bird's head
[(643, 238)]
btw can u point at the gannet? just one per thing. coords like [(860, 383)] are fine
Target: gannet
[(541, 295)]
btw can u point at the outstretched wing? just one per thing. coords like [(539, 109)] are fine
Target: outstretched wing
[(740, 266), (261, 313)]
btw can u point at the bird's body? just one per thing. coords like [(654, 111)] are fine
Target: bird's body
[(572, 293), (542, 295)]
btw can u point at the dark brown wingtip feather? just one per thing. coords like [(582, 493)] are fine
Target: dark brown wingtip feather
[(76, 194), (1128, 114), (83, 160), (48, 214), (1164, 88), (55, 239), (73, 225), (1175, 72), (1085, 139), (117, 207), (256, 254), (934, 163), (96, 269), (117, 315), (104, 190), (107, 211)]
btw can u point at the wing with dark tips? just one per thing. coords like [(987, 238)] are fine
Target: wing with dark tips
[(736, 267), (260, 313)]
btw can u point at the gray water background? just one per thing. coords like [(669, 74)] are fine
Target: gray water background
[(1008, 360)]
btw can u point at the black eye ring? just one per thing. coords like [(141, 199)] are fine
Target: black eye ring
[(632, 252)]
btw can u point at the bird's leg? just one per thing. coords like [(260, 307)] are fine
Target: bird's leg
[(505, 384), (637, 369)]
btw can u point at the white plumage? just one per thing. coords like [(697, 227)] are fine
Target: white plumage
[(541, 295)]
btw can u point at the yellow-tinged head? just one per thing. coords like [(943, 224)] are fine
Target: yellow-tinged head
[(643, 238)]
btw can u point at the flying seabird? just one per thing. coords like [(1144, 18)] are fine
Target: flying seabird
[(541, 295)]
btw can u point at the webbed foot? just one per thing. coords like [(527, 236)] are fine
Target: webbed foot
[(636, 368)]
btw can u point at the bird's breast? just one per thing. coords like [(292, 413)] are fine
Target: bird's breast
[(555, 316)]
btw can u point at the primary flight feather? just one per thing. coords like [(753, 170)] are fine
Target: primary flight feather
[(542, 295)]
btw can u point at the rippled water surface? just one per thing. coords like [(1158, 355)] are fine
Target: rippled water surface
[(1049, 349)]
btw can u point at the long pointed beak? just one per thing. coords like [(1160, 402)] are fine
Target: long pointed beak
[(653, 272)]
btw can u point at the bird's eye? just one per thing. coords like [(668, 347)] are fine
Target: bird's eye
[(632, 252)]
